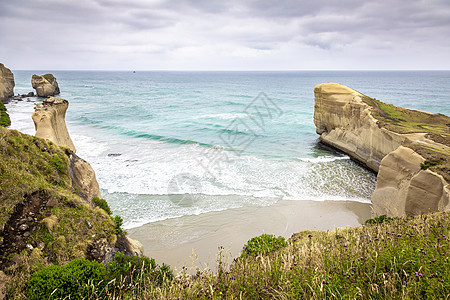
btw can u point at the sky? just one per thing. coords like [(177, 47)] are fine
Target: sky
[(225, 35)]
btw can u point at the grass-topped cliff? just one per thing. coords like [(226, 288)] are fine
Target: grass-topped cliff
[(42, 219), (435, 126)]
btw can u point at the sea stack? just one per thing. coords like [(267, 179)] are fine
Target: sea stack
[(49, 121), (6, 83), (409, 149), (45, 85)]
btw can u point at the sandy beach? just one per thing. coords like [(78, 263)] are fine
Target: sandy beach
[(193, 241)]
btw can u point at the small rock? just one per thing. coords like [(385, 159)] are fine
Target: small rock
[(30, 219), (26, 234), (89, 225), (29, 246), (23, 227)]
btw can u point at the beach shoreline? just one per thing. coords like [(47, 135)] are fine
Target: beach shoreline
[(191, 243)]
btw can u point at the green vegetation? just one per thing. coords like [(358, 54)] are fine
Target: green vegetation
[(36, 192), (49, 77), (379, 220), (73, 279), (263, 244), (102, 204), (393, 258), (83, 279), (435, 126), (403, 120), (4, 117), (118, 221), (427, 164)]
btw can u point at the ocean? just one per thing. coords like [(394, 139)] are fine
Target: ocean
[(170, 144)]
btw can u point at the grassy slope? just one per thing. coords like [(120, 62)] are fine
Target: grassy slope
[(402, 120), (402, 259), (4, 117), (34, 184)]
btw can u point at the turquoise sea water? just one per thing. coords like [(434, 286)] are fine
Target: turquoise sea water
[(169, 144)]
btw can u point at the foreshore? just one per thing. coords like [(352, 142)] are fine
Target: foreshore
[(193, 241)]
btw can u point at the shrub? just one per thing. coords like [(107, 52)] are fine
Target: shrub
[(102, 204), (263, 244), (4, 117), (71, 280), (131, 270), (379, 220), (118, 221), (430, 163)]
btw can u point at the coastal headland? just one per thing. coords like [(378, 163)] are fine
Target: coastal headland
[(52, 214)]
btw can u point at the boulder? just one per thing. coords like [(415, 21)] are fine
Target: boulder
[(49, 121), (405, 189), (83, 178), (45, 85), (6, 83)]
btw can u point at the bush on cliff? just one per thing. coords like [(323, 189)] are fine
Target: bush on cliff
[(71, 280), (4, 117), (42, 219)]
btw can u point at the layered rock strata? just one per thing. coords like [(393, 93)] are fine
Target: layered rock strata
[(6, 83), (358, 126), (49, 121), (45, 85)]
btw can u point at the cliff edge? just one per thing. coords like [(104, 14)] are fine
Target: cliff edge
[(408, 148), (6, 83)]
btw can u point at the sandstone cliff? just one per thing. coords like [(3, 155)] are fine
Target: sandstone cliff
[(83, 178), (49, 121), (45, 85), (6, 83), (408, 148)]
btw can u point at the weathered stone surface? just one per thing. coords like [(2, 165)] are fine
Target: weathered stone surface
[(45, 85), (345, 121), (49, 121), (404, 189), (6, 83), (83, 178)]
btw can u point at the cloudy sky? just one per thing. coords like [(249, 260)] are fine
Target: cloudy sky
[(225, 35)]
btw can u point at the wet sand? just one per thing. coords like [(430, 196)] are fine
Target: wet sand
[(193, 241)]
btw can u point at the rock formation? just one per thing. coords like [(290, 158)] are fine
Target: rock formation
[(83, 178), (49, 121), (6, 83), (411, 153), (45, 85)]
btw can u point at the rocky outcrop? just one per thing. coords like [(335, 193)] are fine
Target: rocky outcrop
[(345, 122), (83, 178), (357, 125), (49, 121), (405, 189), (45, 85), (6, 83)]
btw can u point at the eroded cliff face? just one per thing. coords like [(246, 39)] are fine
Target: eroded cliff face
[(345, 120), (6, 83), (49, 121), (45, 85)]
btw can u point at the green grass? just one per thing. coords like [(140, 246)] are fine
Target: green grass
[(399, 258), (49, 77), (4, 117), (402, 120), (34, 172)]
